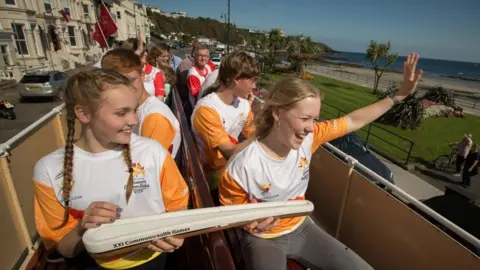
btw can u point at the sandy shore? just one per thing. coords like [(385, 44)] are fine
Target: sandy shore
[(450, 84)]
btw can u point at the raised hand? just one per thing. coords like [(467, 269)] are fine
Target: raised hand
[(411, 77)]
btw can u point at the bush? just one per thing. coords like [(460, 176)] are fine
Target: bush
[(440, 95), (406, 115)]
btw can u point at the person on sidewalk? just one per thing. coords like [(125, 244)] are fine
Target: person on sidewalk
[(463, 148), (471, 165)]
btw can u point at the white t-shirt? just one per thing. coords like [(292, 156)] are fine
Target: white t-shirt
[(209, 81), (156, 121), (158, 186), (254, 174)]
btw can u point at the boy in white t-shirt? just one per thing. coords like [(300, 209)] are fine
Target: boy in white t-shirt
[(220, 117), (156, 120)]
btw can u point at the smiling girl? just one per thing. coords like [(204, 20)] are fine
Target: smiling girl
[(275, 167), (106, 174)]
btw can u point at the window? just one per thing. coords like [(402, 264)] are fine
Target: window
[(20, 41), (48, 6), (86, 12), (5, 54), (10, 2), (85, 39), (35, 79), (71, 35), (119, 14)]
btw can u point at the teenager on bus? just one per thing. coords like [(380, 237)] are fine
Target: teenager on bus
[(156, 120), (274, 167), (104, 174), (160, 57), (222, 115), (154, 78)]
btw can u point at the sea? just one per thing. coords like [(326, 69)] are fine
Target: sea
[(431, 67)]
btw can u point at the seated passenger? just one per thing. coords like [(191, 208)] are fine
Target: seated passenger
[(153, 80), (220, 117), (198, 72), (275, 167), (159, 57), (156, 120), (95, 179)]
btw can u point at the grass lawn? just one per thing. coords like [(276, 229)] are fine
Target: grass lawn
[(431, 139)]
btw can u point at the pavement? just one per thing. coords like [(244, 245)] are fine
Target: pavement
[(27, 112), (411, 183)]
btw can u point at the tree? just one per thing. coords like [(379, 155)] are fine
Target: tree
[(381, 56)]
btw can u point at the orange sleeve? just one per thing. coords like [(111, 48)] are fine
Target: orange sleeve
[(174, 189), (208, 125), (158, 127), (49, 214), (230, 192), (249, 127), (328, 130)]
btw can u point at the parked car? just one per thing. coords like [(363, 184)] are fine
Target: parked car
[(351, 144), (216, 60), (43, 85)]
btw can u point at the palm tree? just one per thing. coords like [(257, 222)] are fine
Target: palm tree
[(377, 52), (276, 42)]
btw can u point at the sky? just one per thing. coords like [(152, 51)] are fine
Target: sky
[(438, 29)]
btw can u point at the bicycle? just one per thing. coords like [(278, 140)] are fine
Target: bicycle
[(446, 163)]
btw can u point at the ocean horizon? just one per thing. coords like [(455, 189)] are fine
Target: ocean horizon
[(431, 67)]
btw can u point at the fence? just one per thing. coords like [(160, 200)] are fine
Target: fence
[(461, 99), (371, 134)]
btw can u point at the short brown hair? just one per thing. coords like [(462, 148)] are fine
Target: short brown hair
[(122, 60), (237, 65)]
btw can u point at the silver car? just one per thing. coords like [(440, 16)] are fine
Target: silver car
[(48, 84)]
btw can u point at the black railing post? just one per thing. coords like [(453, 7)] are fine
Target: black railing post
[(368, 134), (409, 152)]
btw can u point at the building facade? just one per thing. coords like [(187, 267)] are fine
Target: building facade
[(56, 34)]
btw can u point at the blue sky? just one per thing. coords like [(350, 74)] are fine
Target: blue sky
[(440, 29)]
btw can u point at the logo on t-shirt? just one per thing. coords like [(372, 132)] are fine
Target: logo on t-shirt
[(305, 168), (139, 182), (265, 188), (303, 163)]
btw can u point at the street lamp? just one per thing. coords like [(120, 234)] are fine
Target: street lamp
[(228, 26)]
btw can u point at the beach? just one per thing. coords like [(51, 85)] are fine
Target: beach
[(460, 87)]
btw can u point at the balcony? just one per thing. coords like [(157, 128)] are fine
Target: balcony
[(378, 225)]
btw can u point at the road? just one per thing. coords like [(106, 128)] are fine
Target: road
[(27, 113)]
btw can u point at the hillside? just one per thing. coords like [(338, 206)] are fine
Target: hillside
[(204, 27)]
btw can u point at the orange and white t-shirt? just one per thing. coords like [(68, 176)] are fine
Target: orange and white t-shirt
[(158, 187), (195, 78), (214, 123), (254, 174), (157, 121), (154, 82)]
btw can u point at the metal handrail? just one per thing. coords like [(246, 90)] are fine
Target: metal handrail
[(427, 210), (17, 138)]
